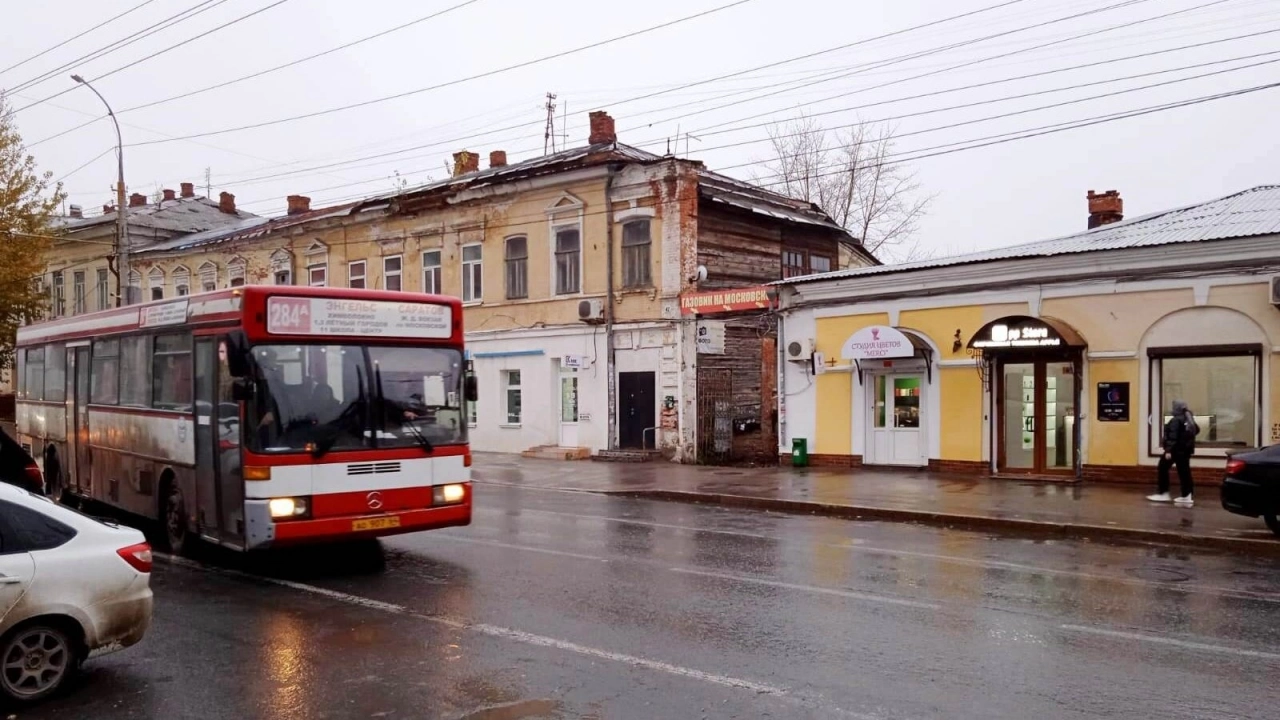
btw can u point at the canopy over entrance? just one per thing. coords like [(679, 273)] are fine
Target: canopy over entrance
[(1021, 332)]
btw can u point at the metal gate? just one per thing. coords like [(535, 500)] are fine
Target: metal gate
[(715, 416)]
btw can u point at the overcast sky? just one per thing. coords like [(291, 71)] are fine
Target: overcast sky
[(1007, 193)]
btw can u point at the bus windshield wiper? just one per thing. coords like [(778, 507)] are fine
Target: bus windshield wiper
[(422, 439)]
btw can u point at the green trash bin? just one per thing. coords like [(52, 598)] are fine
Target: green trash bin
[(800, 452)]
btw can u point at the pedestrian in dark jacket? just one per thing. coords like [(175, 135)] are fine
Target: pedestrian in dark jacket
[(1179, 443)]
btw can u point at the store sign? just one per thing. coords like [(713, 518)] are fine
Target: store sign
[(710, 337), (750, 298), (877, 342), (170, 313), (1113, 401), (1025, 334), (575, 362), (366, 318)]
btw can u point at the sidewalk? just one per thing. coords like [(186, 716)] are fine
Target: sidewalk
[(1083, 511)]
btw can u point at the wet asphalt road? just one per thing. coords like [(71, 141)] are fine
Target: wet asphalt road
[(571, 605)]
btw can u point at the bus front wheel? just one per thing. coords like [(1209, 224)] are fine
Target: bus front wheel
[(174, 518)]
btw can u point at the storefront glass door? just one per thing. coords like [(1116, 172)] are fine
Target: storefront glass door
[(896, 436), (1037, 418)]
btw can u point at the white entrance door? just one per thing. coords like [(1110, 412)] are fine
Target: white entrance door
[(896, 434), (568, 408)]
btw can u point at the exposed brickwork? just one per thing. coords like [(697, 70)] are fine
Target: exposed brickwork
[(465, 162), (497, 158), (188, 190), (137, 200), (298, 204), (227, 203), (602, 129), (960, 467), (1105, 208), (1146, 475)]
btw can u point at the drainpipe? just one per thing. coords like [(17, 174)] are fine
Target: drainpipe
[(608, 309), (780, 404)]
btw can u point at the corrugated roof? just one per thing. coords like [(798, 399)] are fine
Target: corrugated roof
[(246, 229), (182, 215), (1245, 214)]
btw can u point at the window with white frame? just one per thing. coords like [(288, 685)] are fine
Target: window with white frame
[(1221, 385), (392, 268), (511, 396), (472, 273), (78, 292), (355, 274), (236, 271), (431, 279), (181, 280), (58, 295), (636, 262), (102, 290), (208, 276), (517, 261), (155, 281), (317, 275), (568, 260), (282, 267), (317, 264)]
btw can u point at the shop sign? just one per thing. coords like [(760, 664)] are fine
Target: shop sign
[(710, 337), (1017, 335), (749, 298), (574, 362), (877, 342), (1113, 401)]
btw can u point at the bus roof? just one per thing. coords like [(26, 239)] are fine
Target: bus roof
[(243, 306)]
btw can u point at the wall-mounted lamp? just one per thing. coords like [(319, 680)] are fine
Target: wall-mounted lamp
[(955, 346)]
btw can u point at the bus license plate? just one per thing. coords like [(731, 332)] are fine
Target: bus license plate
[(381, 523)]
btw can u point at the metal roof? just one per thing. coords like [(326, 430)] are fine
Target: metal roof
[(1245, 214), (247, 229), (181, 215)]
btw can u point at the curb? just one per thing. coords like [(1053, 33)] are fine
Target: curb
[(975, 522)]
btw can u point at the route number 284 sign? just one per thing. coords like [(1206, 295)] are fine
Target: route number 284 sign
[(366, 318)]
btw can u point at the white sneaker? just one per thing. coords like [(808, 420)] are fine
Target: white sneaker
[(1159, 497), (1184, 501)]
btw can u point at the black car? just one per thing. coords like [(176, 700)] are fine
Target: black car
[(17, 467), (1252, 485)]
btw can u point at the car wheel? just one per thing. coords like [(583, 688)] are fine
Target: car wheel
[(176, 533), (35, 661), (1273, 522)]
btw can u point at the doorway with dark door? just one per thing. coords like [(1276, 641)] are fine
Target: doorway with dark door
[(637, 409)]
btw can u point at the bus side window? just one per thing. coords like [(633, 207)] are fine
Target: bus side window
[(55, 373), (135, 371), (35, 373), (104, 388), (171, 379)]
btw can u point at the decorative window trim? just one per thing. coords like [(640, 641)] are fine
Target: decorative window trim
[(389, 273), (237, 268), (181, 280), (437, 267), (363, 275), (462, 254), (509, 262), (565, 212), (208, 272)]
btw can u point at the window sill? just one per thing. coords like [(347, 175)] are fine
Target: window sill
[(472, 303), (510, 426)]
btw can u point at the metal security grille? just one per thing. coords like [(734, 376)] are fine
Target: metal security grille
[(715, 416)]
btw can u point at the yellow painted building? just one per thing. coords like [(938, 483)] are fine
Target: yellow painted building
[(1055, 359)]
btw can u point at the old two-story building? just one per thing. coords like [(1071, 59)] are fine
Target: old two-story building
[(572, 267), (1057, 359)]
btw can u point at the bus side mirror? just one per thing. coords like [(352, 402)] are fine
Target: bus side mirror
[(471, 389), (242, 389), (237, 354)]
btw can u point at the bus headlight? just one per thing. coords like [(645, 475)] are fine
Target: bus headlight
[(448, 494), (283, 508)]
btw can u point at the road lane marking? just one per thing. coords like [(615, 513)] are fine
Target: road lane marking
[(869, 597), (997, 564), (513, 546), (492, 630), (1184, 644)]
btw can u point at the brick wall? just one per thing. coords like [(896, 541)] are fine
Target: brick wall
[(1143, 475)]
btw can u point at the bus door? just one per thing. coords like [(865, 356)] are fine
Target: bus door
[(208, 511), (226, 417), (79, 476)]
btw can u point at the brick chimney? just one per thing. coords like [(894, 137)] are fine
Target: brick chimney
[(137, 200), (108, 208), (169, 194), (602, 128), (299, 204), (227, 203), (1105, 208), (498, 158), (465, 162), (77, 211), (188, 190)]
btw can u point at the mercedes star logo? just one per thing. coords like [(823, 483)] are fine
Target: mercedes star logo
[(375, 500)]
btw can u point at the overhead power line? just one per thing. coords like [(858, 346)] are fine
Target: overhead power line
[(77, 36), (458, 81), (157, 53), (123, 42)]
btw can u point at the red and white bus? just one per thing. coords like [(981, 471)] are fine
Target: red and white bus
[(258, 416)]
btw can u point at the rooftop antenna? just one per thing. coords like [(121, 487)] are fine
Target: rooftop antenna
[(208, 182), (564, 125), (549, 134), (687, 136)]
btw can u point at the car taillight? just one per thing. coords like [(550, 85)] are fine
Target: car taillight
[(1235, 466), (35, 476), (138, 556)]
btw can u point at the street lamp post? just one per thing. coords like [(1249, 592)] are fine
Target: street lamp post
[(125, 294)]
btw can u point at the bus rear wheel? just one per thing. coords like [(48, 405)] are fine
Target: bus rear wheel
[(177, 535)]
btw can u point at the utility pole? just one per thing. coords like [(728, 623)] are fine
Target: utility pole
[(549, 134), (125, 294)]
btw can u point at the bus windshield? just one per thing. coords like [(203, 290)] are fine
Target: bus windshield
[(320, 398)]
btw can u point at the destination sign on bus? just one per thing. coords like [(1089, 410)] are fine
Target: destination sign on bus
[(367, 318)]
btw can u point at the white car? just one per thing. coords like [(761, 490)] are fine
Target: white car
[(71, 587)]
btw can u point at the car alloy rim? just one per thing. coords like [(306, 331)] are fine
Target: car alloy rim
[(35, 661)]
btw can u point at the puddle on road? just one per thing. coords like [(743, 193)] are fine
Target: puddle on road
[(520, 710)]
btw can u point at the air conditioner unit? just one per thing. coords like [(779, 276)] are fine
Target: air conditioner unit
[(1275, 290), (590, 311), (800, 350)]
